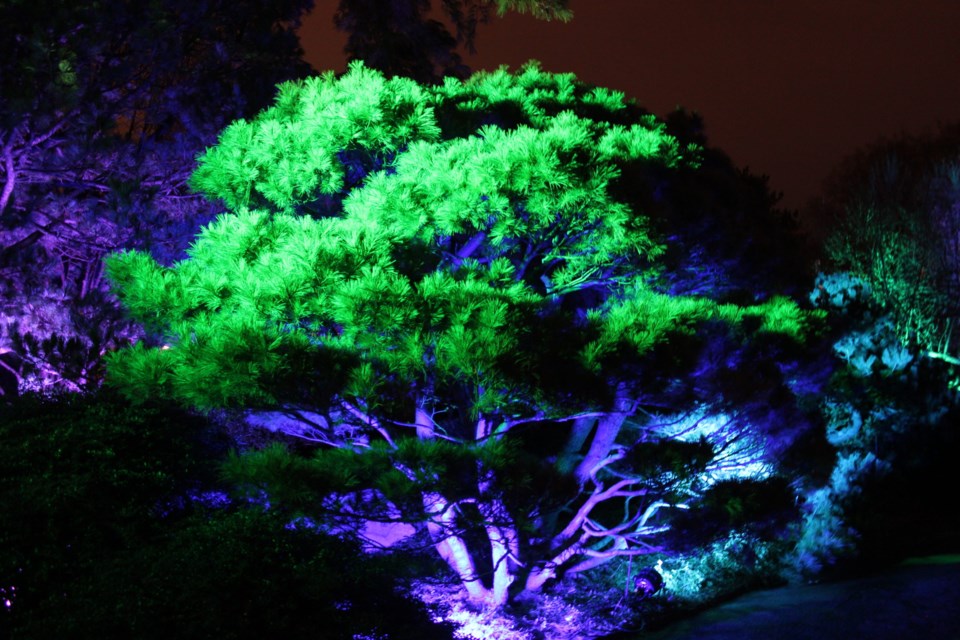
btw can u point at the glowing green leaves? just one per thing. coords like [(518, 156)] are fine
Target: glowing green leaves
[(532, 96), (471, 232), (288, 154), (428, 269), (638, 320), (542, 9), (547, 189), (641, 318), (637, 143), (777, 315)]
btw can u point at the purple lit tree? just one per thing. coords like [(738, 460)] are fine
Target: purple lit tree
[(446, 294), (104, 107)]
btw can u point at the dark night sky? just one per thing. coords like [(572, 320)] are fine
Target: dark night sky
[(786, 88)]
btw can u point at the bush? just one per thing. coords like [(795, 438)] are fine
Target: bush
[(236, 573), (85, 476), (113, 527)]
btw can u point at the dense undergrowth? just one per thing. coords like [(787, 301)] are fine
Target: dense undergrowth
[(124, 528)]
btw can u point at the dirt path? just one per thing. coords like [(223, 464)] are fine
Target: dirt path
[(919, 600)]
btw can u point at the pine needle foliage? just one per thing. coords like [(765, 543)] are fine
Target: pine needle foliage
[(433, 272), (441, 255), (542, 9)]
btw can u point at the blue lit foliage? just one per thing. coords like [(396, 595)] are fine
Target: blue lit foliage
[(885, 407), (447, 282), (873, 345), (891, 411)]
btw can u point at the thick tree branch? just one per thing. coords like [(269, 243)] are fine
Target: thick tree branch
[(10, 173), (604, 437), (579, 518), (368, 421)]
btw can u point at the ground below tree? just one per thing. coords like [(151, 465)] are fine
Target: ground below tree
[(919, 598)]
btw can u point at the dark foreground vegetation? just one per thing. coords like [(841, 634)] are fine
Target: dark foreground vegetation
[(116, 525), (120, 525)]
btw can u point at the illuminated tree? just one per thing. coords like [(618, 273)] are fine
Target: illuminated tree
[(895, 213), (889, 417), (439, 287), (104, 106)]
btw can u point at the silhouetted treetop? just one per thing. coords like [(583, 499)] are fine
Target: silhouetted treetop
[(414, 38)]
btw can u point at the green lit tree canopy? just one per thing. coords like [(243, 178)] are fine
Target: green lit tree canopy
[(419, 278)]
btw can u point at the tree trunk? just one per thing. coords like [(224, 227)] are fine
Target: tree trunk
[(504, 547), (539, 576), (605, 436), (567, 460), (502, 576), (425, 426), (451, 547)]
